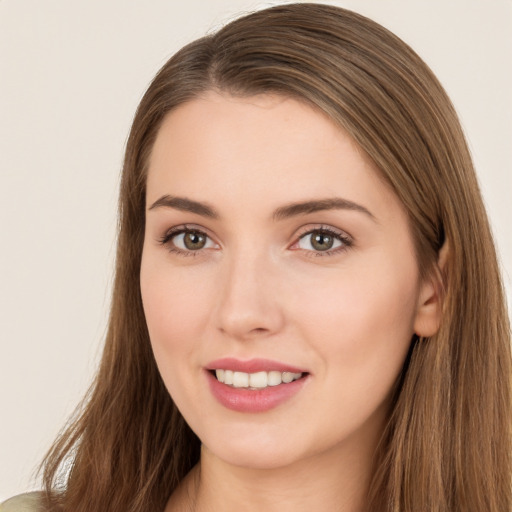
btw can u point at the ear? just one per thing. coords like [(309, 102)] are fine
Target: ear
[(428, 313)]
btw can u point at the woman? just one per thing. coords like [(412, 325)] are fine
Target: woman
[(307, 310)]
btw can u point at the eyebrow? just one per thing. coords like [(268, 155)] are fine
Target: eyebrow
[(281, 213), (316, 205), (186, 205)]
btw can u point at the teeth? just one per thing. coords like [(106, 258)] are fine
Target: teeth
[(258, 380), (287, 377), (274, 378), (240, 380), (228, 377)]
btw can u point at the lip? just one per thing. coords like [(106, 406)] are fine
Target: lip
[(253, 401), (252, 366)]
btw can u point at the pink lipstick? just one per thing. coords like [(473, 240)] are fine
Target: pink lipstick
[(256, 385)]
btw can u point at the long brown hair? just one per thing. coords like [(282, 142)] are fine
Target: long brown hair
[(447, 446)]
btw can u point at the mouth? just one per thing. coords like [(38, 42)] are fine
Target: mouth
[(254, 385), (255, 381)]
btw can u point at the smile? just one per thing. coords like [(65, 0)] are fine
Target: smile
[(254, 381), (255, 385)]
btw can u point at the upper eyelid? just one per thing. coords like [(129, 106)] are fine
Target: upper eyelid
[(305, 230), (176, 230), (300, 231)]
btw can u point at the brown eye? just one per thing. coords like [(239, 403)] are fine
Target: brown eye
[(188, 241), (194, 240), (323, 240)]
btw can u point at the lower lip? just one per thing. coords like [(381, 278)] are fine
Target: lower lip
[(257, 400)]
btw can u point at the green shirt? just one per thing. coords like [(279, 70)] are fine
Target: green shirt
[(28, 502)]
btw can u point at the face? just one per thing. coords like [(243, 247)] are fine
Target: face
[(274, 252)]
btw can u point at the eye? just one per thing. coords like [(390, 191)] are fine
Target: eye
[(184, 240), (323, 241)]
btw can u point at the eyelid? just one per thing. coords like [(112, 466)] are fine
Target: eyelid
[(166, 238), (345, 239)]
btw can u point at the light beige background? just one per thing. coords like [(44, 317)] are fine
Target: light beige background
[(71, 75)]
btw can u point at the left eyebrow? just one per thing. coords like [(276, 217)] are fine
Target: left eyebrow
[(303, 208)]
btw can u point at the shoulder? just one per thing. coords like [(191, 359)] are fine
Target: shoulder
[(29, 502)]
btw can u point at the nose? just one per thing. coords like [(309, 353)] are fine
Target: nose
[(249, 305)]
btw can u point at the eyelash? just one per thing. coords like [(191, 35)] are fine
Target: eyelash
[(178, 230), (345, 240)]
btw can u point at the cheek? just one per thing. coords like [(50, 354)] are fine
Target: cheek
[(360, 325), (174, 299), (176, 315), (361, 320)]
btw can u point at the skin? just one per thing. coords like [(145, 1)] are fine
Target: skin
[(260, 289)]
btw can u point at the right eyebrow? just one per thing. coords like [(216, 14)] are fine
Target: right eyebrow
[(186, 205)]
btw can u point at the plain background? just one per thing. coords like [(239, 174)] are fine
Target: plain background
[(71, 75)]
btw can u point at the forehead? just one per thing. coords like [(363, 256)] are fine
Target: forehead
[(269, 148)]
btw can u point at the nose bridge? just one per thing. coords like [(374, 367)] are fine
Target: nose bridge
[(247, 301)]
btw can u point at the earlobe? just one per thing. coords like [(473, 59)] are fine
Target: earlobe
[(430, 299)]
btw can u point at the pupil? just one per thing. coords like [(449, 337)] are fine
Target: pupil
[(322, 242), (194, 240)]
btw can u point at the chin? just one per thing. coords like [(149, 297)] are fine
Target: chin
[(254, 457), (256, 448)]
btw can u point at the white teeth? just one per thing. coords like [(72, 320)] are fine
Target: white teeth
[(240, 380), (258, 380), (228, 377), (287, 377), (274, 378)]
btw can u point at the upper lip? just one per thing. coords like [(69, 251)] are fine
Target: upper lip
[(252, 365)]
